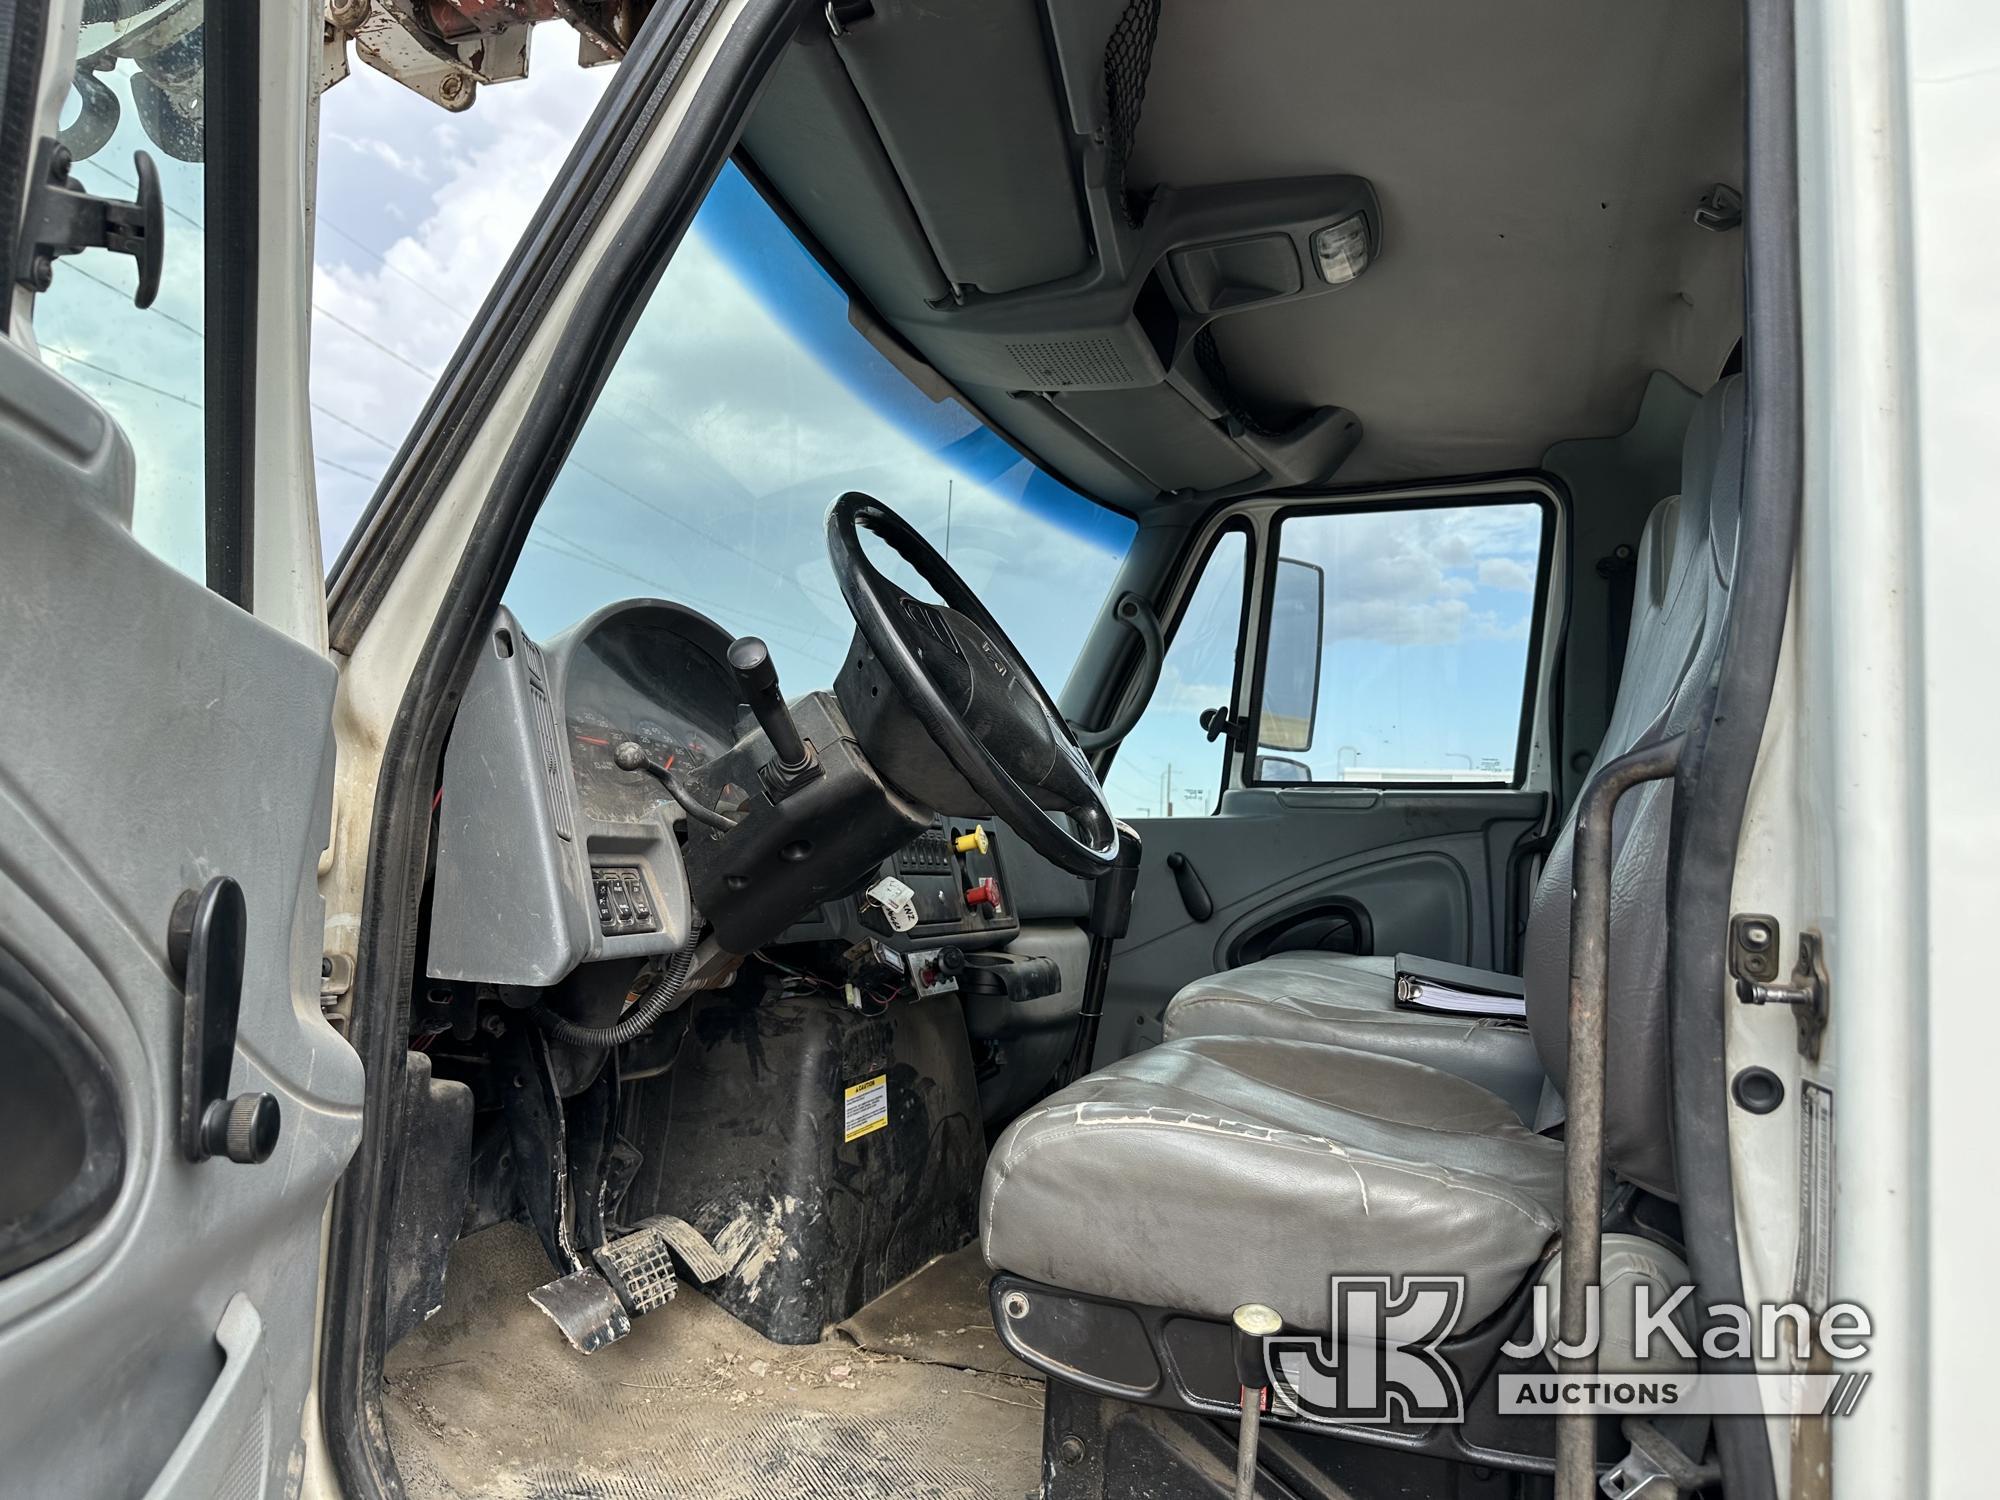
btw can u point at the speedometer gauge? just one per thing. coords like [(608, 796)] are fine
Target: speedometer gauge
[(650, 672)]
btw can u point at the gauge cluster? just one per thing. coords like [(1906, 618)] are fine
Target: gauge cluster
[(654, 674)]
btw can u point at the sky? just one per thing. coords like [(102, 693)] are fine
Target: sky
[(417, 211), (742, 405), (1423, 654)]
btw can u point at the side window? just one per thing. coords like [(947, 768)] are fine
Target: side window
[(140, 86), (1168, 767), (1400, 645)]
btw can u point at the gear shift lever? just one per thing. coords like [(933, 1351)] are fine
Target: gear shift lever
[(1251, 1324), (757, 680)]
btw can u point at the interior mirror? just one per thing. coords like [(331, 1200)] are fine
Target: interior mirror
[(1282, 770), (1291, 661)]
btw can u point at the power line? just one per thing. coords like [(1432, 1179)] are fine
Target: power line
[(113, 374), (433, 375), (556, 542), (375, 438), (394, 270), (318, 406), (334, 463), (125, 296), (369, 338)]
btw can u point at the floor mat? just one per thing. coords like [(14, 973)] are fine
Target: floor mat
[(940, 1316), (487, 1400)]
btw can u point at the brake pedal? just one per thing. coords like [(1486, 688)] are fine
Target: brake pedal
[(639, 1268)]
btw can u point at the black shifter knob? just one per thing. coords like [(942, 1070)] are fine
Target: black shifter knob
[(757, 678)]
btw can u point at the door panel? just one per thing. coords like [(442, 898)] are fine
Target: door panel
[(152, 736), (1421, 872)]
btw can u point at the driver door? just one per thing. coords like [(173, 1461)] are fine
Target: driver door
[(165, 699)]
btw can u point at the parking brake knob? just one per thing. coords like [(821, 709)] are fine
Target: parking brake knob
[(757, 680)]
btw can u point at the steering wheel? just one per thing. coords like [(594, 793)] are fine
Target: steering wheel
[(971, 689)]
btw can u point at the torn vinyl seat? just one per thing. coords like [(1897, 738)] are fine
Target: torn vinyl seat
[(1679, 597), (1142, 1203)]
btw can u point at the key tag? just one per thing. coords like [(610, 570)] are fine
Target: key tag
[(898, 902)]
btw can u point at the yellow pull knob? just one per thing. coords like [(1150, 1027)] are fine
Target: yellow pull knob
[(975, 841)]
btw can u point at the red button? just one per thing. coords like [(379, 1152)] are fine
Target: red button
[(986, 893)]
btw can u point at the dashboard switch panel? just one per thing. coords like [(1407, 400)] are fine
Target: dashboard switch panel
[(622, 903)]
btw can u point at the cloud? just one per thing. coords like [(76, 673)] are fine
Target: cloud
[(1505, 573), (391, 303), (705, 471), (388, 155), (1405, 578)]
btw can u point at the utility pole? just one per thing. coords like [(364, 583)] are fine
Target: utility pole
[(1167, 789)]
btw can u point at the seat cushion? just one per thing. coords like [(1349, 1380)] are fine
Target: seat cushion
[(1213, 1171), (1351, 1002)]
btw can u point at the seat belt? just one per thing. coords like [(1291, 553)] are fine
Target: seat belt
[(1620, 572)]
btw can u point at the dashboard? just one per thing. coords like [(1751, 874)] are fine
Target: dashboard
[(550, 854)]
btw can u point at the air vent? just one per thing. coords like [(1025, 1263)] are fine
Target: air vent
[(1065, 364), (552, 761)]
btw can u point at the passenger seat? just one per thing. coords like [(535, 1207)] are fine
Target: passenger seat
[(1680, 594)]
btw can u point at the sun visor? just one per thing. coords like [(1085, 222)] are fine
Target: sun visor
[(964, 100)]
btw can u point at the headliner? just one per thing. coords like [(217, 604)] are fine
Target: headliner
[(1537, 163)]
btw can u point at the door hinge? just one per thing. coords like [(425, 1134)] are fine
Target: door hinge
[(62, 218), (336, 975), (1753, 962)]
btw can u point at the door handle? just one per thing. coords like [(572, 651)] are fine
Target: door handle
[(1194, 895), (205, 1457), (205, 944)]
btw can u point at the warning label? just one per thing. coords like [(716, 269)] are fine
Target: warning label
[(1814, 1271), (867, 1106)]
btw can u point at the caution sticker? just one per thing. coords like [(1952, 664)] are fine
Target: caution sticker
[(1813, 1274), (867, 1107)]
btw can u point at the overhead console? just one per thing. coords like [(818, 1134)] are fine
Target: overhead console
[(1041, 274)]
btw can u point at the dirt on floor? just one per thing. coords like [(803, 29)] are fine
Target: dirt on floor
[(488, 1400)]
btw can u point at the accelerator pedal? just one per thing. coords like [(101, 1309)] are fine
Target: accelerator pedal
[(701, 1260)]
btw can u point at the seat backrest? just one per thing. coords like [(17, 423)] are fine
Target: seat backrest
[(1680, 603)]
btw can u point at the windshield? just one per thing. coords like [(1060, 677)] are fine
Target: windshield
[(744, 403)]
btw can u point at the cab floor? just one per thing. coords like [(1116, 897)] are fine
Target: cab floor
[(487, 1400)]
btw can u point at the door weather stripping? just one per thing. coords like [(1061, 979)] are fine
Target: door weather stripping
[(1583, 1143)]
